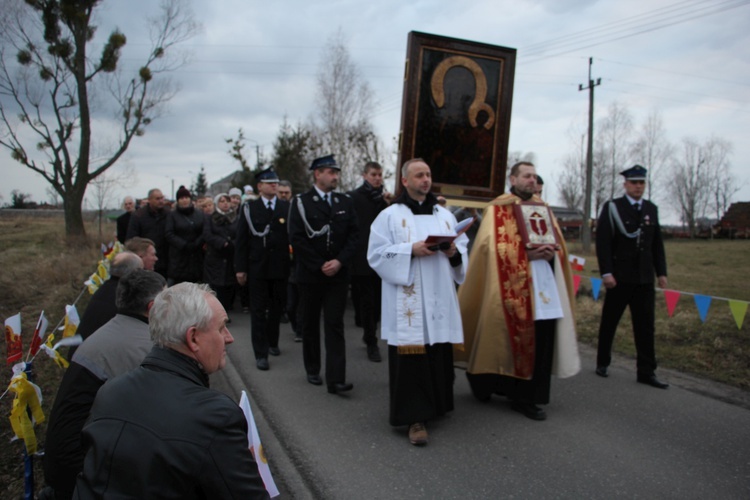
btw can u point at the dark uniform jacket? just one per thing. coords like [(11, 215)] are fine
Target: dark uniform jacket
[(152, 225), (160, 432), (631, 260), (220, 235), (311, 252), (184, 232), (367, 208), (123, 221), (263, 257)]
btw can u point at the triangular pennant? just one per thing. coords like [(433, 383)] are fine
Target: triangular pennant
[(596, 285), (702, 302), (738, 308), (671, 296), (576, 283)]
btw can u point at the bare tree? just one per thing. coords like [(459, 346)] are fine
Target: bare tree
[(724, 185), (570, 182), (53, 196), (104, 187), (48, 94), (345, 104), (613, 137), (652, 149), (691, 181)]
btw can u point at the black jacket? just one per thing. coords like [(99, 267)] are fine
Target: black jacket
[(160, 432), (184, 232), (311, 252), (630, 260), (263, 257), (152, 225), (123, 221), (367, 207), (220, 234)]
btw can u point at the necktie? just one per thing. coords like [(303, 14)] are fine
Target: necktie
[(637, 207), (327, 200), (270, 206)]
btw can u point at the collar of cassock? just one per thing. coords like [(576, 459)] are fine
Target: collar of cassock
[(426, 208)]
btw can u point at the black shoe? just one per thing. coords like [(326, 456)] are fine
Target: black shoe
[(274, 351), (373, 353), (262, 364), (602, 371), (652, 381), (531, 411), (339, 387), (315, 379), (298, 338)]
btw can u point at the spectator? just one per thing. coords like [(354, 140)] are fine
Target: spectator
[(219, 233), (123, 221), (236, 196), (284, 191), (184, 233), (143, 248), (150, 222)]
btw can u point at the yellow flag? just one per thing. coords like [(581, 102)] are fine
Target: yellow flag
[(71, 321), (28, 396), (52, 353), (102, 270), (738, 308)]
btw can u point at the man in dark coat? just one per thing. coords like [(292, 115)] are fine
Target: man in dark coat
[(368, 203), (150, 222), (630, 251), (159, 431), (123, 221), (220, 235), (324, 233), (262, 261), (184, 232), (117, 347)]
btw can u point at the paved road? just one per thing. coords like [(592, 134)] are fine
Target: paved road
[(604, 438)]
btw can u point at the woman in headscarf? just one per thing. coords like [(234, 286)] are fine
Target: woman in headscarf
[(219, 233)]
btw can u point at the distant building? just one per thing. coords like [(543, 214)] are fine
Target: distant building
[(736, 221), (570, 221), (224, 184)]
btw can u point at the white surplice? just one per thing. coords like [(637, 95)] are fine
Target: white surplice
[(419, 304)]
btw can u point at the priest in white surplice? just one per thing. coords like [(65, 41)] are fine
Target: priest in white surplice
[(420, 315)]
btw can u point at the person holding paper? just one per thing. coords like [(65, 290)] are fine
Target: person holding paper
[(420, 318), (159, 431), (516, 304)]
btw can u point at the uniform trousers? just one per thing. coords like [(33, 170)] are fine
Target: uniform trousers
[(267, 301), (640, 299), (330, 299)]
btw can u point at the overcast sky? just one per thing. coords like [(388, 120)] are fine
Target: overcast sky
[(256, 62)]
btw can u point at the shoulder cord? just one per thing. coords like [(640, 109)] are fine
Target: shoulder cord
[(614, 219), (246, 210), (311, 233)]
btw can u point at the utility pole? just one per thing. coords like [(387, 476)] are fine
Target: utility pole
[(586, 234)]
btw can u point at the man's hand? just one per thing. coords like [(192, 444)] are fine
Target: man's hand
[(451, 251), (331, 267), (544, 252), (420, 249), (242, 278), (662, 281), (609, 281)]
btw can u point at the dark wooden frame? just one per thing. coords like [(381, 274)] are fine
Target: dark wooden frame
[(462, 133)]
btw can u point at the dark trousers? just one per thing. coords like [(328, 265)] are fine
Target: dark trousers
[(292, 305), (267, 301), (640, 299), (330, 298), (367, 289)]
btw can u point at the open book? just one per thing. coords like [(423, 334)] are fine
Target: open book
[(461, 228)]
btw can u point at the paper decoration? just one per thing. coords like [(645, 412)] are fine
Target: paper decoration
[(576, 262), (13, 342), (738, 308), (253, 439), (671, 297), (576, 283), (596, 285), (702, 302)]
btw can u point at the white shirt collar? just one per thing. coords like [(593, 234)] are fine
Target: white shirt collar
[(633, 201), (323, 194)]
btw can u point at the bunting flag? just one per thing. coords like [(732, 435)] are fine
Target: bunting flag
[(256, 448), (13, 341), (102, 270), (702, 302), (576, 283), (671, 297), (39, 333), (52, 351), (71, 321), (28, 397), (738, 308), (596, 286), (576, 262)]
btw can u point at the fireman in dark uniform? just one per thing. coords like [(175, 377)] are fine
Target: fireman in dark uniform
[(323, 232), (262, 261), (630, 251)]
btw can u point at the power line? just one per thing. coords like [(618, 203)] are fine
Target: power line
[(710, 78)]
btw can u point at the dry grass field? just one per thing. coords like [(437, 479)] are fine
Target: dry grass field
[(39, 272)]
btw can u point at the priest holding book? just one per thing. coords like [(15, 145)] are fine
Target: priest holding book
[(420, 315), (516, 301)]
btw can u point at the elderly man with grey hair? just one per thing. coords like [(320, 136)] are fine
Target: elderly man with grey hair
[(115, 348), (160, 431)]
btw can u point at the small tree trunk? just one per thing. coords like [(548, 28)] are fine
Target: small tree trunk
[(74, 228)]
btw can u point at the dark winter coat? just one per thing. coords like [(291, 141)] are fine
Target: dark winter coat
[(263, 257), (368, 203), (219, 233), (184, 233), (152, 225)]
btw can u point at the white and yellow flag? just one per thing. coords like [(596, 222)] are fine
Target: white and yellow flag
[(256, 448)]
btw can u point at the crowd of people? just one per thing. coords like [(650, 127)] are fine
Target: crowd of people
[(495, 296)]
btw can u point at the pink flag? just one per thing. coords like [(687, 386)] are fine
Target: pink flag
[(576, 283), (671, 296), (39, 334)]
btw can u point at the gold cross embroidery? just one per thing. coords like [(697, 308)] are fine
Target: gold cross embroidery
[(409, 313), (544, 298)]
